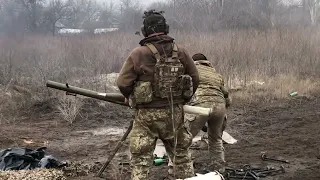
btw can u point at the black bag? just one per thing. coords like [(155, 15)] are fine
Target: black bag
[(26, 159)]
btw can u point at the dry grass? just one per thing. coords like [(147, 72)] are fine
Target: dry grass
[(275, 88), (285, 59), (265, 53), (70, 107)]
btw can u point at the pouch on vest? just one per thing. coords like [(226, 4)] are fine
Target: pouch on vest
[(187, 86), (142, 93)]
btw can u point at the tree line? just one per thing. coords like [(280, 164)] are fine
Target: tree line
[(46, 16)]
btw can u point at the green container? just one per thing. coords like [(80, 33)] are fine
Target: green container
[(293, 94), (158, 162)]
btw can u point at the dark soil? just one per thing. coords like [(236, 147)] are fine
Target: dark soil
[(287, 129)]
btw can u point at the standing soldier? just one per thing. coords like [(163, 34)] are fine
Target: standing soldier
[(158, 78), (211, 93)]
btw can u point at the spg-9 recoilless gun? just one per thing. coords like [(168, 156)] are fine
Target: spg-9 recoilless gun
[(116, 98)]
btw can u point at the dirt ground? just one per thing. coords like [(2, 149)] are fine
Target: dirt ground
[(288, 129)]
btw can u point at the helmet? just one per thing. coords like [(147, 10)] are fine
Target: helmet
[(154, 22), (199, 56)]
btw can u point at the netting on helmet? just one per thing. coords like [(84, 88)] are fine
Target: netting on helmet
[(154, 22)]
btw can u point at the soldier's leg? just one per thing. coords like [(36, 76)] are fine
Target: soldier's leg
[(195, 123), (178, 150), (180, 155), (142, 145), (215, 131)]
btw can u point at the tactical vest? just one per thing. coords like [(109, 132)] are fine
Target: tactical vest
[(210, 81), (167, 73)]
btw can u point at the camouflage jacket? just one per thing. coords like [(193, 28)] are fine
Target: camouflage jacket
[(211, 86), (139, 66)]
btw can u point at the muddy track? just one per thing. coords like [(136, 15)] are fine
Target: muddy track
[(288, 129)]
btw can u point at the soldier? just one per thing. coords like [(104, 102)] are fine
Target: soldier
[(211, 93), (152, 80)]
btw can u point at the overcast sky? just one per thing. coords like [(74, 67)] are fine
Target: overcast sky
[(148, 2), (145, 3)]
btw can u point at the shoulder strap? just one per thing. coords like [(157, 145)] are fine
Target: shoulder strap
[(175, 51), (154, 50), (157, 55)]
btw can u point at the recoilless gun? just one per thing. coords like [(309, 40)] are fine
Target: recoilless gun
[(116, 98)]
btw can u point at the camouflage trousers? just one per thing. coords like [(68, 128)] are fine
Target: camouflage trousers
[(216, 125), (151, 124)]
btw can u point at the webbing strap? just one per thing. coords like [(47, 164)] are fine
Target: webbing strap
[(154, 50), (157, 55), (175, 51)]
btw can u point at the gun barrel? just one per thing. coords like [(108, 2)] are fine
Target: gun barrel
[(117, 98), (110, 97)]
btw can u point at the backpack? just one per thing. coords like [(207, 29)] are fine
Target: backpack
[(167, 74)]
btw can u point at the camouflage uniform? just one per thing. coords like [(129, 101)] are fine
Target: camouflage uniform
[(159, 61), (210, 94), (153, 120), (151, 124)]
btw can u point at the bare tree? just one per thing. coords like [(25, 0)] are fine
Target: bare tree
[(183, 15), (130, 14), (107, 15), (91, 20), (33, 12), (56, 11), (14, 16), (2, 14), (266, 10), (83, 14), (221, 5), (312, 9)]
